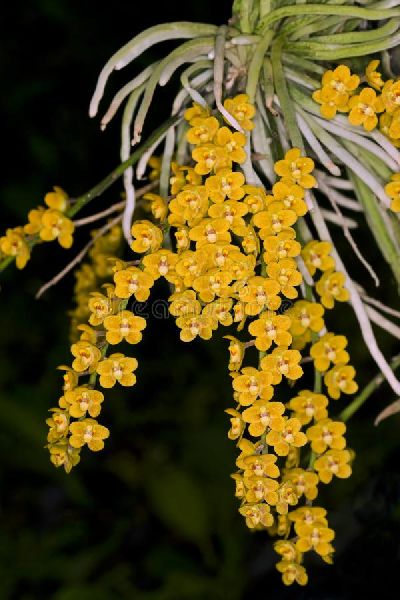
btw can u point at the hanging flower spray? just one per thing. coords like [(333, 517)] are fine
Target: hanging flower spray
[(276, 132)]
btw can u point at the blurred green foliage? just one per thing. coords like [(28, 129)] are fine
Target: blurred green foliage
[(153, 516)]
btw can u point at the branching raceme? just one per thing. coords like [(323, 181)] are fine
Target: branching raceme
[(264, 153)]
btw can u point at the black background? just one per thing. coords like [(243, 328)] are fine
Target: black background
[(153, 516)]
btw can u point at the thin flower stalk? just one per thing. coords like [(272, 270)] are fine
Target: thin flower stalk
[(369, 389)]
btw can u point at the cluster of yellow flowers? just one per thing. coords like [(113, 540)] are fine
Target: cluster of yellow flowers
[(338, 94), (109, 324), (233, 261), (100, 320), (73, 422), (92, 274), (270, 480), (46, 224)]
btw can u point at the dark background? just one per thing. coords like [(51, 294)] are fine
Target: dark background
[(153, 516)]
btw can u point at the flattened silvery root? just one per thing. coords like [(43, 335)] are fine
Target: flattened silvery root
[(281, 74), (141, 43)]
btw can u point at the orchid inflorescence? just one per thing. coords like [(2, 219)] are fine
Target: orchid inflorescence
[(265, 149)]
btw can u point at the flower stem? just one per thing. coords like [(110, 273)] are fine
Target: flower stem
[(317, 381), (105, 183), (366, 392), (5, 262)]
